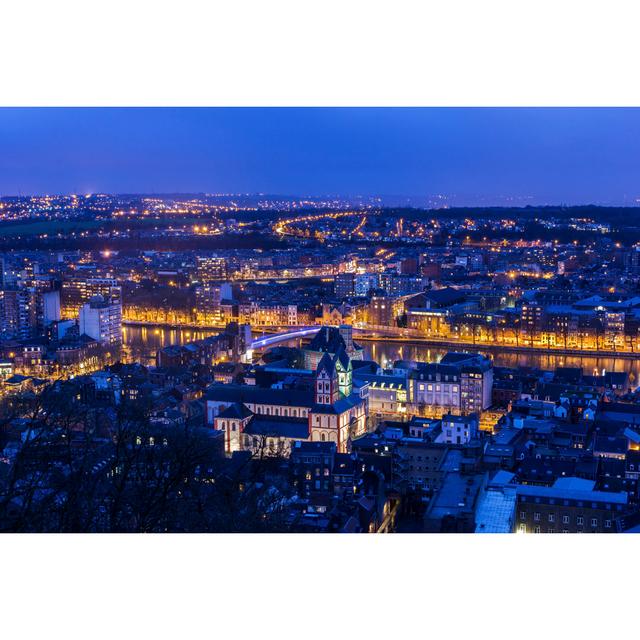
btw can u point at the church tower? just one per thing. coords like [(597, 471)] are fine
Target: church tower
[(327, 390), (344, 369)]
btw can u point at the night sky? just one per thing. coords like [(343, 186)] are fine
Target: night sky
[(571, 156)]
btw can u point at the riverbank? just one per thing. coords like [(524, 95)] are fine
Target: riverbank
[(501, 347), (416, 340), (143, 340)]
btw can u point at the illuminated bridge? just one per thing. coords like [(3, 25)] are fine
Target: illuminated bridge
[(303, 332), (267, 341)]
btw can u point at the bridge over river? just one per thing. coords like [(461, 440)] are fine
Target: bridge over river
[(386, 344)]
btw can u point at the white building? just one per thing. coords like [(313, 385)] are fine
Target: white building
[(102, 320), (50, 307), (460, 383), (459, 429)]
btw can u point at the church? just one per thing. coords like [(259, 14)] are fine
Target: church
[(270, 420)]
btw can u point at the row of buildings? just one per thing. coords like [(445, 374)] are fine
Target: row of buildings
[(46, 325)]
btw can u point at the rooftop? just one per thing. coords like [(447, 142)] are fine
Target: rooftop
[(496, 510), (572, 489)]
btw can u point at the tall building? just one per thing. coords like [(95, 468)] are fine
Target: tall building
[(631, 260), (240, 335), (210, 268), (381, 311), (18, 316), (434, 389), (430, 270), (208, 302), (531, 321), (10, 276), (476, 380), (345, 285), (101, 320), (47, 308), (27, 311), (409, 266), (614, 329), (364, 282), (78, 290), (29, 270), (396, 284)]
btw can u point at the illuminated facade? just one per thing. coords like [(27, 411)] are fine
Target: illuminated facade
[(332, 411), (78, 290), (210, 268), (101, 320), (459, 384)]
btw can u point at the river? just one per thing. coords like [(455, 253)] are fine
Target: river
[(142, 343)]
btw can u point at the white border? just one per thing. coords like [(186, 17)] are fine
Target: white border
[(329, 52), (319, 52), (298, 586)]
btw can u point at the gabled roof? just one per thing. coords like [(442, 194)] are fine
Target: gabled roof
[(252, 394), (456, 357), (16, 378), (589, 302), (237, 410), (424, 370), (343, 359), (326, 364), (329, 340), (276, 427)]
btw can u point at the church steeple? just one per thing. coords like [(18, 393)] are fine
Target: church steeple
[(327, 390), (344, 369)]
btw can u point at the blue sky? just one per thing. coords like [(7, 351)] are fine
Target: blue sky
[(553, 155)]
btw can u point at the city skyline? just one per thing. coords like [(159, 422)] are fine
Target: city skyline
[(304, 269), (357, 364), (422, 156)]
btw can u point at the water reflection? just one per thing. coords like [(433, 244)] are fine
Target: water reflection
[(142, 343), (381, 352)]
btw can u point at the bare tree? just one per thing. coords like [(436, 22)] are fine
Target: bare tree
[(83, 468)]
